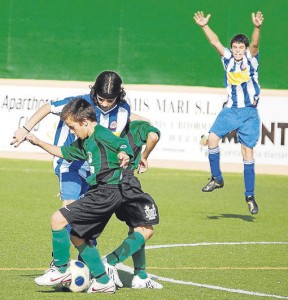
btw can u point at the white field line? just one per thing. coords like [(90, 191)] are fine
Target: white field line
[(214, 287), (215, 244)]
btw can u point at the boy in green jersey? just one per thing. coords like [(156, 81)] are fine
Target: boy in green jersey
[(107, 155), (138, 209)]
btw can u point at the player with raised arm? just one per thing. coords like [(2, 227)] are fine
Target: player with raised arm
[(240, 111)]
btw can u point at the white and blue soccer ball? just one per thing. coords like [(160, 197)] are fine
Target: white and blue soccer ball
[(80, 276)]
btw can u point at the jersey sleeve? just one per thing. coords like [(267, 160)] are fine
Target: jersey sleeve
[(140, 131), (145, 130), (57, 105), (74, 152), (123, 117), (253, 60), (226, 57)]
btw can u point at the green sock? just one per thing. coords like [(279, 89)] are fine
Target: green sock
[(130, 245), (139, 261), (92, 259), (61, 248)]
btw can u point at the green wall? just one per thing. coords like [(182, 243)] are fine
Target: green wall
[(146, 41)]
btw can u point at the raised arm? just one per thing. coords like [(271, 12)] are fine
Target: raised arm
[(212, 37), (19, 134), (54, 150), (257, 20)]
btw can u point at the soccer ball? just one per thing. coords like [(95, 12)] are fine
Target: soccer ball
[(80, 276)]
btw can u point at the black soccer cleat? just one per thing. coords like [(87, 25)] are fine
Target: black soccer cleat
[(252, 205), (213, 184)]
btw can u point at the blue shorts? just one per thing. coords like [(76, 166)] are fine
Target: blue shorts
[(244, 120), (72, 185)]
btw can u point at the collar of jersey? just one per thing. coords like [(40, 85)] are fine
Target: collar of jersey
[(106, 112)]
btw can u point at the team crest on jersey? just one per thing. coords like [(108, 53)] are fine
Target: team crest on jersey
[(89, 157), (113, 125), (151, 213)]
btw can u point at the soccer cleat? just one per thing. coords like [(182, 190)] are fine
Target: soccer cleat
[(112, 272), (252, 205), (213, 184), (52, 277), (148, 283), (97, 287)]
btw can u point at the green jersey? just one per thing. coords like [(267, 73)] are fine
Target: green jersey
[(100, 149), (136, 134)]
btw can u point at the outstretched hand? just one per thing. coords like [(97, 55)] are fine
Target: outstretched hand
[(143, 166), (200, 19), (257, 19), (18, 137)]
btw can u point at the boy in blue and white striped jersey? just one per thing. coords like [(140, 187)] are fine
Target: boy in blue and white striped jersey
[(107, 97), (240, 110)]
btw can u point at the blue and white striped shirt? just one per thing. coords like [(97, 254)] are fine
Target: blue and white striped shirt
[(241, 79), (115, 119)]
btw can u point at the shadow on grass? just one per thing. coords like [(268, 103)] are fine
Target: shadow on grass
[(232, 216), (125, 277)]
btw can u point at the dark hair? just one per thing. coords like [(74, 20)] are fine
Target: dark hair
[(108, 85), (240, 38), (78, 110)]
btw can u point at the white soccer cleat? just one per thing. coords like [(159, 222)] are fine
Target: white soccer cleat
[(148, 283), (52, 277), (112, 272), (97, 287)]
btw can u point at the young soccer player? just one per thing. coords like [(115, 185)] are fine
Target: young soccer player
[(240, 111), (138, 209), (107, 96), (89, 215)]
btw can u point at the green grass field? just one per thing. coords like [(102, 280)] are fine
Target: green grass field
[(219, 250)]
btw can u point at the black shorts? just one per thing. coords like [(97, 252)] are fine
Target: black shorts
[(137, 208), (89, 215)]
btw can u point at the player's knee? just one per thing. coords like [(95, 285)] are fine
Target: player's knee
[(77, 242), (58, 222), (150, 233), (213, 140), (146, 231), (247, 153)]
